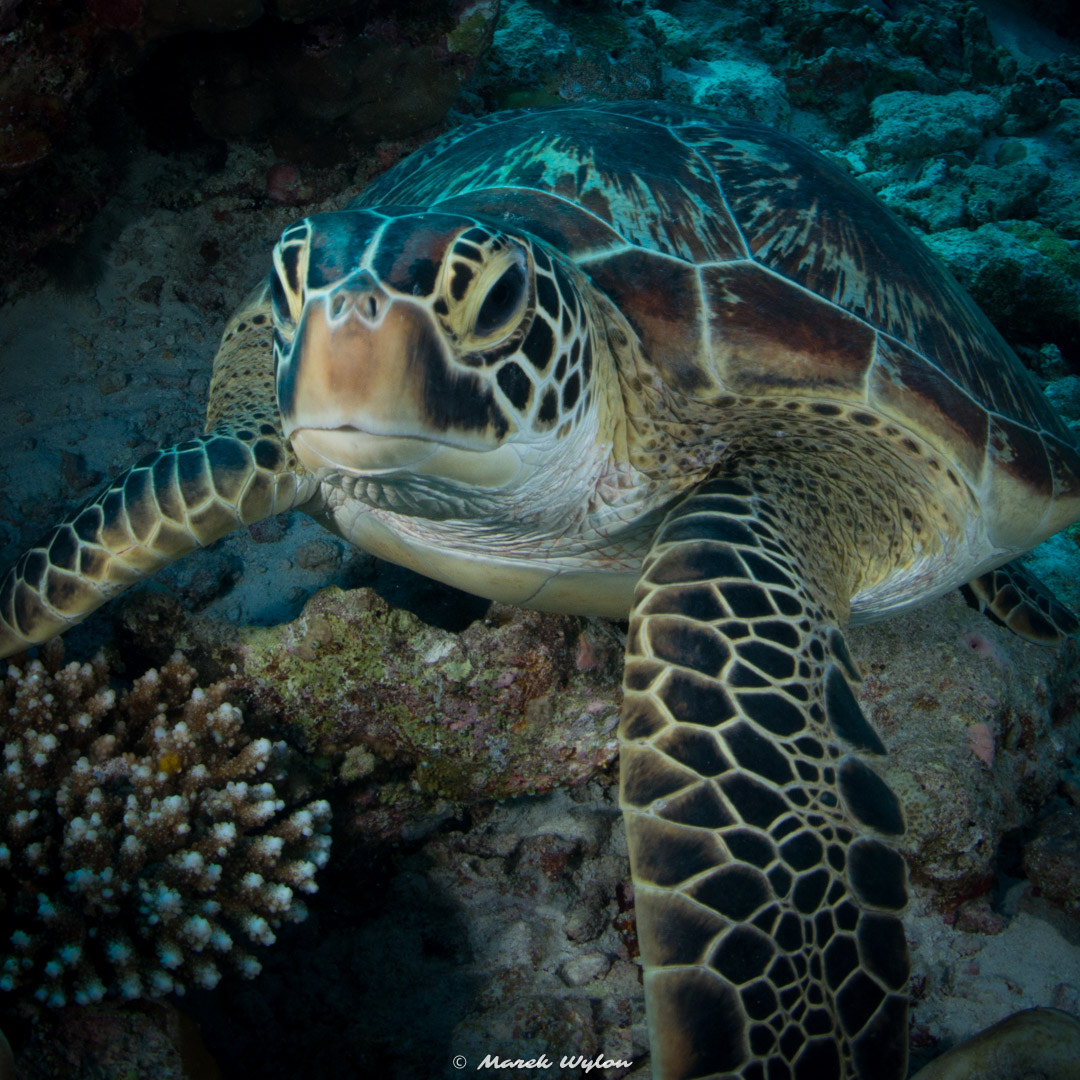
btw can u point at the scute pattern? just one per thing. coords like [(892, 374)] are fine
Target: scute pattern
[(1013, 597), (810, 222), (635, 177), (798, 907)]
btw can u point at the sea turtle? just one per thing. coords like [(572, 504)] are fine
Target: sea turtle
[(631, 359)]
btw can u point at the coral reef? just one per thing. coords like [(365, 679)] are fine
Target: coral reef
[(146, 840), (511, 926), (976, 721), (420, 721), (1006, 267)]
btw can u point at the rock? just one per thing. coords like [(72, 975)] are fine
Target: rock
[(199, 583), (929, 678), (1010, 191), (953, 39), (584, 968), (502, 709), (76, 475), (736, 89), (321, 556), (546, 54), (934, 200), (1033, 297), (1065, 123), (529, 46), (977, 917), (949, 191), (116, 1042), (401, 89), (1064, 395), (1031, 101), (676, 40), (849, 77), (1052, 858), (910, 125)]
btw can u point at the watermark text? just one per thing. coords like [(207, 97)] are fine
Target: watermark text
[(542, 1061)]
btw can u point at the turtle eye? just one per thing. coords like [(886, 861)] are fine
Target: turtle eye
[(280, 304), (502, 301), (286, 290)]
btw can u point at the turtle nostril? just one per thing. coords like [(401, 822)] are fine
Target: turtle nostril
[(337, 305), (370, 306)]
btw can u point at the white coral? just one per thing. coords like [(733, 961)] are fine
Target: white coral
[(176, 840)]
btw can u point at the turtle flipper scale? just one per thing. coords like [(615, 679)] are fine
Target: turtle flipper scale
[(767, 892), (169, 503)]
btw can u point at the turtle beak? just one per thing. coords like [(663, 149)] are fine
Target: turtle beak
[(350, 365), (364, 388)]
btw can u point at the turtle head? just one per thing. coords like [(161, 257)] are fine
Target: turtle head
[(427, 345)]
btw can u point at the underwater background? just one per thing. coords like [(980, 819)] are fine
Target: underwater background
[(476, 899)]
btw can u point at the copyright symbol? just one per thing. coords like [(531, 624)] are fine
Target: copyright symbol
[(460, 1062)]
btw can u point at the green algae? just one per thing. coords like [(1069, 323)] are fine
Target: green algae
[(517, 703), (1064, 255), (470, 36)]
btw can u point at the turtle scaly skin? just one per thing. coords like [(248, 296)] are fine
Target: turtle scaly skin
[(767, 908), (632, 360)]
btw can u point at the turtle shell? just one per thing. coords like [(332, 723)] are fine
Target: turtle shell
[(749, 264)]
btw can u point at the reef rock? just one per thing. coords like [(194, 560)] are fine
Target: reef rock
[(909, 125), (732, 88), (1052, 858), (1023, 273), (418, 717), (976, 721)]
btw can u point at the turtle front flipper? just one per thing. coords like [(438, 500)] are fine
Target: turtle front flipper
[(166, 505), (170, 502), (1015, 597), (767, 892)]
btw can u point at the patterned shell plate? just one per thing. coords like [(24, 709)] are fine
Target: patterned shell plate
[(749, 264)]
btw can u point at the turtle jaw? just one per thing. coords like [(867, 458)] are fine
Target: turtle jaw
[(389, 457)]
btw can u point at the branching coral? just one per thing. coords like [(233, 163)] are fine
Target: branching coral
[(144, 839)]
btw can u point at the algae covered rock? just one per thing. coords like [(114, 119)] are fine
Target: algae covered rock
[(909, 124), (416, 720), (1020, 273), (734, 88), (546, 54), (976, 721), (1052, 858)]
